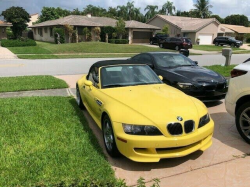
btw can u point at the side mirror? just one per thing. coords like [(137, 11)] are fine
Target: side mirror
[(88, 83), (196, 62), (160, 77), (185, 52)]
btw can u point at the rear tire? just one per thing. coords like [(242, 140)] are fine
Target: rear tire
[(109, 138), (161, 45), (232, 45), (79, 98), (216, 44), (177, 48), (243, 121), (151, 42)]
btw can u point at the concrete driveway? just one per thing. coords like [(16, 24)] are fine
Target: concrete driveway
[(6, 53), (225, 163)]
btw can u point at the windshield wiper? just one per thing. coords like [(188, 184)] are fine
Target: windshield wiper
[(113, 85)]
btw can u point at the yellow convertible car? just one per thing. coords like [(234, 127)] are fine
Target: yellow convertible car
[(141, 117)]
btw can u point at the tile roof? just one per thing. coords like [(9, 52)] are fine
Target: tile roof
[(222, 29), (3, 23), (237, 28), (139, 25), (186, 23), (78, 20)]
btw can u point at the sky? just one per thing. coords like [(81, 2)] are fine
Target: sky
[(220, 7)]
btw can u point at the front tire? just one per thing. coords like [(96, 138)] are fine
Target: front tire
[(216, 44), (79, 98), (151, 42), (243, 121), (109, 138), (177, 48), (161, 45), (232, 45)]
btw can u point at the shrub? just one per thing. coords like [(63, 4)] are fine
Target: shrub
[(10, 35), (247, 37), (22, 42), (87, 34), (118, 41), (61, 32)]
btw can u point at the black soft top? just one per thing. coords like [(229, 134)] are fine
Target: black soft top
[(112, 62)]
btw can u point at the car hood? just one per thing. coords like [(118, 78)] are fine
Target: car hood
[(159, 103), (196, 74)]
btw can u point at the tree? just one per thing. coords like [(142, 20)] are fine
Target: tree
[(94, 11), (19, 19), (165, 29), (97, 32), (131, 10), (151, 11), (51, 13), (237, 20), (87, 34), (120, 28), (69, 29), (221, 20), (202, 8), (168, 8), (76, 12)]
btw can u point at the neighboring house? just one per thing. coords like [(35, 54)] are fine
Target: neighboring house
[(238, 29), (193, 28), (33, 18), (224, 31), (3, 26), (137, 32)]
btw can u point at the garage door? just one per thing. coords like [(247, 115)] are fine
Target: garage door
[(205, 39), (141, 37)]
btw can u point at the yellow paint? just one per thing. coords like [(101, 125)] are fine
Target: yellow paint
[(156, 105)]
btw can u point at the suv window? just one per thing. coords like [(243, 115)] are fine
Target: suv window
[(172, 39)]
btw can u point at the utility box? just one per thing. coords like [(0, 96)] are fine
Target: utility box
[(227, 52)]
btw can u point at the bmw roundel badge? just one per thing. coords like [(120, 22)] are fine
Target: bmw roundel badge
[(179, 118)]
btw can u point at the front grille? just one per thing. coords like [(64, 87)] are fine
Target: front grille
[(175, 128), (189, 126), (220, 86), (209, 87)]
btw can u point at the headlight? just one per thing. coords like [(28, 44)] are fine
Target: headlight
[(141, 130), (185, 85), (204, 120)]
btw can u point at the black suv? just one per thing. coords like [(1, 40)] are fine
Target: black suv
[(157, 38), (226, 40)]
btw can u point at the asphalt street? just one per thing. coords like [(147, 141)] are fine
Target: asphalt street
[(18, 67)]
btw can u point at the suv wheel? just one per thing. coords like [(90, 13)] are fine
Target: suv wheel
[(161, 45), (177, 48), (243, 121), (216, 43), (232, 45), (151, 42)]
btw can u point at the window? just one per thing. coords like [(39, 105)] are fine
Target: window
[(93, 76), (3, 30), (143, 59), (45, 29), (40, 31), (51, 31)]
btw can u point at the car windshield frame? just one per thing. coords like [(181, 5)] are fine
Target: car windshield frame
[(119, 78), (160, 64)]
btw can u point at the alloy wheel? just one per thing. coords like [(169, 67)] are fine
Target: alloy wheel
[(108, 135), (78, 97), (245, 122), (177, 48)]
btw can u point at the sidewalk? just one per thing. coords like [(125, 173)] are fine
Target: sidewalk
[(6, 54)]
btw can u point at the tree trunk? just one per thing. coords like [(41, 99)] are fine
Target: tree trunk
[(107, 38)]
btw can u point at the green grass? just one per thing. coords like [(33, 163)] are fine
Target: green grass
[(242, 52), (46, 141), (83, 47), (223, 70), (213, 48), (22, 83)]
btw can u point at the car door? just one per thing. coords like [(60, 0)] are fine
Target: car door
[(92, 93), (166, 43), (172, 43)]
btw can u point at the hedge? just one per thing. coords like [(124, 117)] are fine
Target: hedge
[(61, 32), (118, 41), (18, 43)]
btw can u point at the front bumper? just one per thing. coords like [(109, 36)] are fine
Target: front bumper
[(154, 148)]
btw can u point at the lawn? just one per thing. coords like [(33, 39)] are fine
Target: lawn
[(213, 48), (83, 47), (242, 52), (22, 83), (223, 70), (45, 141)]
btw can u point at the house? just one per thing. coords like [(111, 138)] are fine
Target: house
[(193, 28), (3, 26), (137, 32), (33, 18), (238, 29), (224, 31)]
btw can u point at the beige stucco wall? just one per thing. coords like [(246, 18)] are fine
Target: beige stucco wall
[(3, 34), (172, 30), (212, 28), (46, 36), (33, 18)]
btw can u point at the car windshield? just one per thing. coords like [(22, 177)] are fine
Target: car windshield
[(128, 75), (172, 60), (187, 40)]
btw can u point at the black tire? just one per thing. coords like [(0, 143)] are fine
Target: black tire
[(161, 45), (151, 42), (177, 48), (79, 98), (232, 45), (216, 43), (242, 123), (109, 138)]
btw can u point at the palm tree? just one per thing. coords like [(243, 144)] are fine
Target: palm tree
[(131, 10), (168, 8), (122, 12), (202, 8), (151, 11)]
